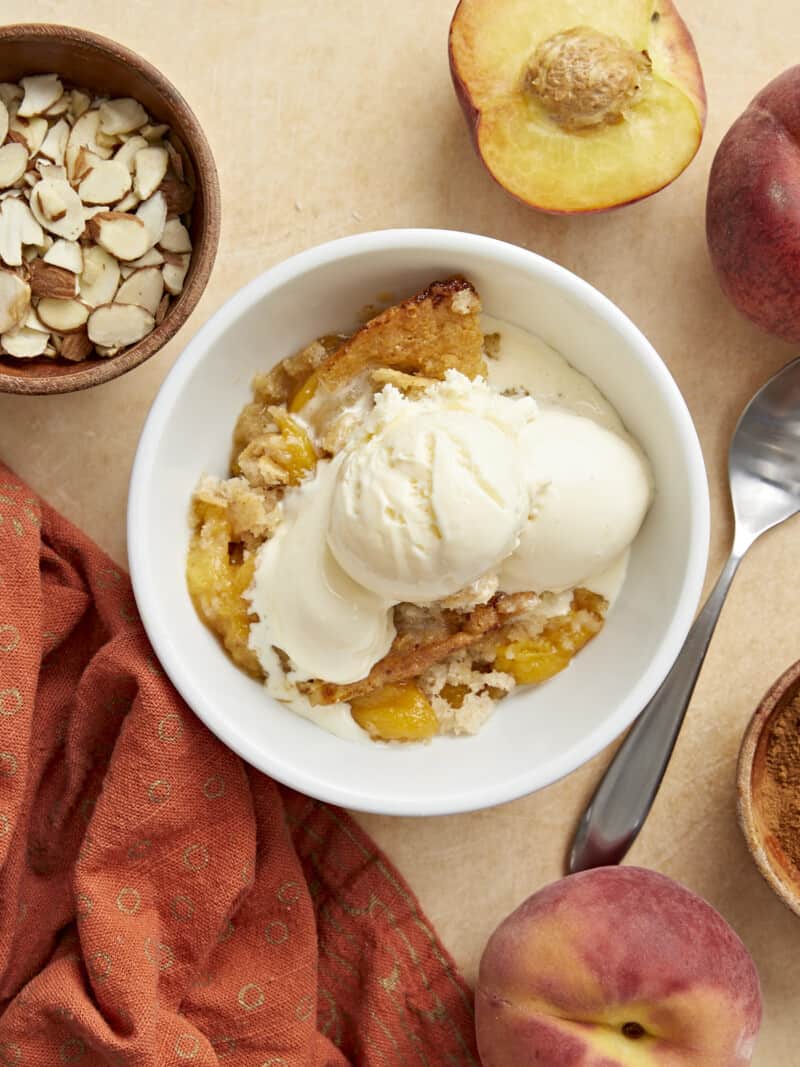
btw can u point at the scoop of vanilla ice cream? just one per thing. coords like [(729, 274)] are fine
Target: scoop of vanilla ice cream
[(328, 625), (434, 494), (591, 489)]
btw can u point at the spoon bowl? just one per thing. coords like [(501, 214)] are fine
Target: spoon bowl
[(764, 459), (764, 475)]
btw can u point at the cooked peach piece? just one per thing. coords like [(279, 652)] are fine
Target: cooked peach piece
[(216, 584), (396, 713)]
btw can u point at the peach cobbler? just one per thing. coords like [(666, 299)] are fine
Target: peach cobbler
[(420, 516)]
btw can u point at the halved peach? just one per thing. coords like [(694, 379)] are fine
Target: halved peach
[(578, 106)]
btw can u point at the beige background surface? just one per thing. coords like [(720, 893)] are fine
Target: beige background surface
[(333, 118)]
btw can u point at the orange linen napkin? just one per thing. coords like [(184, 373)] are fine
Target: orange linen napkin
[(160, 901)]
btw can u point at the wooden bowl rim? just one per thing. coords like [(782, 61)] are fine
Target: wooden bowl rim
[(203, 254), (788, 891)]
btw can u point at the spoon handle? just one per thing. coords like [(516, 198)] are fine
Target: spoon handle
[(626, 793)]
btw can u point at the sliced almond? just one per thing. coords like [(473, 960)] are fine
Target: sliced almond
[(50, 170), (24, 343), (3, 121), (127, 152), (177, 194), (15, 299), (151, 258), (153, 213), (92, 264), (153, 133), (79, 103), (83, 164), (128, 202), (18, 227), (100, 278), (10, 93), (65, 254), (122, 115), (124, 236), (33, 322), (60, 107), (54, 145), (107, 182), (51, 200), (95, 209), (13, 161), (126, 270), (175, 237), (31, 231), (162, 309), (175, 275), (30, 132), (84, 135), (145, 287), (108, 140), (175, 159), (41, 92), (150, 169), (30, 178), (62, 315), (115, 325), (58, 208), (49, 280), (76, 346), (78, 165), (106, 353)]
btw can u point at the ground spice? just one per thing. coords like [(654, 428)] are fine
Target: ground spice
[(780, 800)]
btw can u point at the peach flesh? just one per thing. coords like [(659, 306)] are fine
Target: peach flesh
[(546, 167)]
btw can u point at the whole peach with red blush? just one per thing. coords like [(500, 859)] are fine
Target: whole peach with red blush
[(753, 208), (616, 967)]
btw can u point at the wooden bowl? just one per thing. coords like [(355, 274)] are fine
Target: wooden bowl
[(752, 784), (88, 60)]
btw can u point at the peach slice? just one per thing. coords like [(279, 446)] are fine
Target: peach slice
[(577, 107)]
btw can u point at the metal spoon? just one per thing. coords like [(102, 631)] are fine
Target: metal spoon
[(764, 474)]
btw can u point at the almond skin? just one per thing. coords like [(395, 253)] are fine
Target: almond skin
[(76, 346), (49, 280)]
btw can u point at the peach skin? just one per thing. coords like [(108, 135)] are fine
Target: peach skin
[(616, 967), (753, 209)]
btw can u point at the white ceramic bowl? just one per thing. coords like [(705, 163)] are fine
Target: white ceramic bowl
[(539, 734)]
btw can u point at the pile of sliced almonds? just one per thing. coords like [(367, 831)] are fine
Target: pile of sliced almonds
[(94, 221)]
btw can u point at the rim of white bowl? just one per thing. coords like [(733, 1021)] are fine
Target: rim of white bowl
[(293, 774)]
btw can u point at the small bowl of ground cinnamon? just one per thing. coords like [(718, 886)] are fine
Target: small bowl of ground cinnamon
[(768, 780)]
